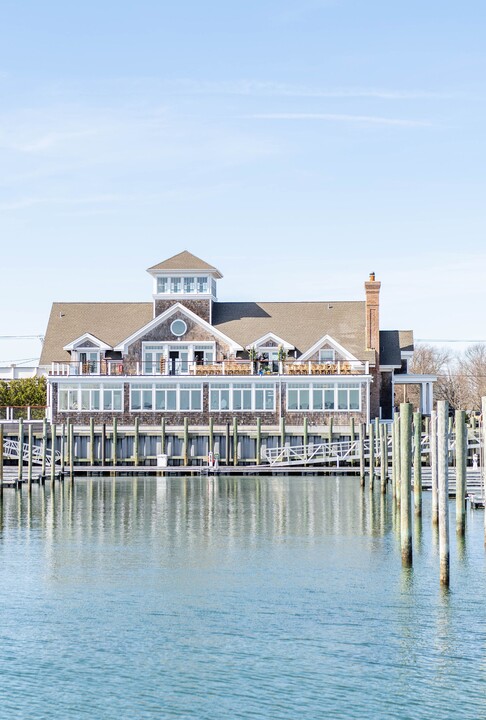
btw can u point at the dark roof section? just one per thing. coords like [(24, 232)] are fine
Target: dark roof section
[(110, 322), (300, 323), (185, 261), (392, 344)]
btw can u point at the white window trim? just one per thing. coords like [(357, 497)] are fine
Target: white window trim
[(253, 386), (82, 386), (174, 386), (322, 386)]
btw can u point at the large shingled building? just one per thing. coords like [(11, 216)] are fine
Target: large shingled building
[(186, 355)]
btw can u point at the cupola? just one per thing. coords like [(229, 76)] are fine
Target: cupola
[(187, 279)]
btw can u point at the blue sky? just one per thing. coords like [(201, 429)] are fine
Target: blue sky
[(296, 145)]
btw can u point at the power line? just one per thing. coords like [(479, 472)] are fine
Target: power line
[(438, 340)]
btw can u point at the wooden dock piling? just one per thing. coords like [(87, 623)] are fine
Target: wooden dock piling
[(20, 465), (91, 441), (417, 463), (53, 452), (361, 434), (235, 441), (461, 453), (371, 436), (434, 467), (406, 483), (443, 489), (383, 455), (258, 449), (30, 438)]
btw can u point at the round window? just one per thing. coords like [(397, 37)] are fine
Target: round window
[(178, 328)]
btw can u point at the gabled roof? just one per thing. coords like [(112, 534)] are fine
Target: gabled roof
[(182, 310), (270, 336), (301, 323), (328, 340), (110, 322), (92, 341), (184, 261)]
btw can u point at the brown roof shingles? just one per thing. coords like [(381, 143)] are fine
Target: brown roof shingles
[(109, 322), (185, 261), (300, 323)]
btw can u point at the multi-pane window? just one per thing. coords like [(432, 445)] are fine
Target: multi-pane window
[(202, 284), (189, 284), (165, 397), (298, 397), (91, 397), (219, 397), (175, 284), (265, 398), (241, 397), (162, 285), (190, 397), (320, 396), (68, 397)]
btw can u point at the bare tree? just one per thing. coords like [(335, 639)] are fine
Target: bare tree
[(472, 369)]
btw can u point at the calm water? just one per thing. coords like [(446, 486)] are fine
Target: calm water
[(233, 598)]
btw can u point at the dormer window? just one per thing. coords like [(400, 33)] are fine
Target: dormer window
[(175, 285)]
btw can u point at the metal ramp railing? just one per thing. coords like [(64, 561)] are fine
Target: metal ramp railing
[(12, 450)]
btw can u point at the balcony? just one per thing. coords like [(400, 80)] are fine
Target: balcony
[(234, 367)]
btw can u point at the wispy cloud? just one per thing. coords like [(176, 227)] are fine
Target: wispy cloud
[(331, 117), (261, 88)]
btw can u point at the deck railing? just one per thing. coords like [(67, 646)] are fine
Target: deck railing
[(128, 367)]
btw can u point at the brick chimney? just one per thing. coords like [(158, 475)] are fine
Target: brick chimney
[(372, 290)]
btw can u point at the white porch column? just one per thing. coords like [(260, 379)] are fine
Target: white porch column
[(431, 397)]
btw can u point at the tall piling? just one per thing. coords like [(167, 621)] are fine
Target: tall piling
[(53, 451), (406, 482), (91, 441), (417, 463), (461, 478), (103, 444), (235, 441), (30, 439), (21, 451), (434, 467), (71, 451), (44, 447), (136, 442), (211, 436), (227, 454), (443, 488), (258, 448), (371, 438), (163, 436), (185, 446), (114, 442), (383, 452), (361, 434)]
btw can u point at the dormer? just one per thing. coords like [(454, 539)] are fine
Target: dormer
[(186, 279)]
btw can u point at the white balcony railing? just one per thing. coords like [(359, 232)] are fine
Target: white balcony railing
[(231, 367)]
